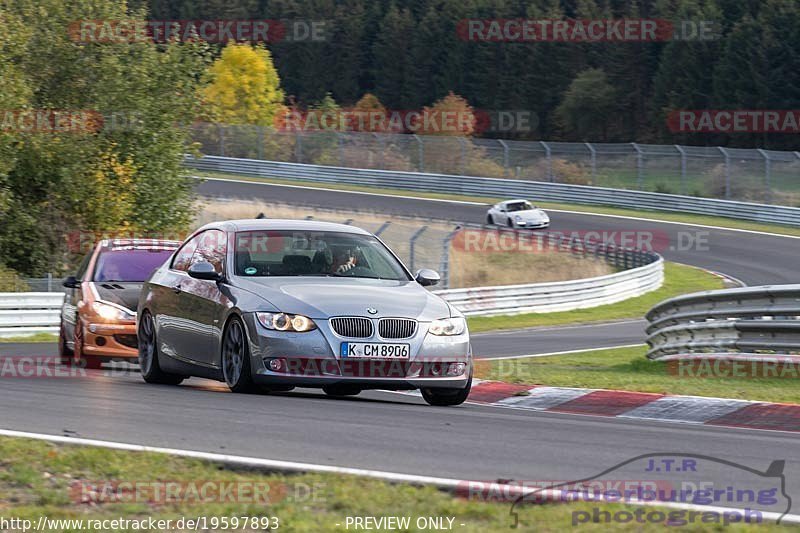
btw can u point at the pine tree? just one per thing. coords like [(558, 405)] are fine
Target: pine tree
[(393, 62), (684, 79), (344, 52)]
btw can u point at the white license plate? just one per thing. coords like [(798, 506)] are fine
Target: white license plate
[(374, 350)]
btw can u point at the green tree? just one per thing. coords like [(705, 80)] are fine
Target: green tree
[(393, 61), (684, 79), (781, 22), (587, 106), (144, 91), (345, 52), (740, 80)]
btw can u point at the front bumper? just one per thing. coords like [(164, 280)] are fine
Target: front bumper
[(531, 225), (312, 360), (111, 340)]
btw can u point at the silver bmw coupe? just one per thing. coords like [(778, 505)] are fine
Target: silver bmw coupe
[(274, 304)]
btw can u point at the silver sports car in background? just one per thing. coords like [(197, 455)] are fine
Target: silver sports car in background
[(274, 304), (517, 214)]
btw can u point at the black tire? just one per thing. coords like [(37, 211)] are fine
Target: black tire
[(235, 358), (341, 390), (490, 220), (510, 224), (65, 354), (148, 354), (447, 397)]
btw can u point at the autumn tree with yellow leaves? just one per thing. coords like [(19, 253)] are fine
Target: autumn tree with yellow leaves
[(242, 87)]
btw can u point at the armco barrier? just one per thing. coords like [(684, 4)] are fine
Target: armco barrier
[(500, 188), (27, 313), (750, 323), (557, 296)]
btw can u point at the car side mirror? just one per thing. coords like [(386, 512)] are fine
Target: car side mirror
[(427, 277), (71, 282), (204, 270)]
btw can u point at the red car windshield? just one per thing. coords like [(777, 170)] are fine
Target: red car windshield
[(132, 265)]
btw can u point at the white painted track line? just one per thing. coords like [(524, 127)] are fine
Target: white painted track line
[(289, 466)]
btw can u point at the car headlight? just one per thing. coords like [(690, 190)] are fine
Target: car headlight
[(518, 218), (285, 322), (109, 312), (448, 326)]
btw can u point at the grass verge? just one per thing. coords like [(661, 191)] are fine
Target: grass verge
[(37, 479), (668, 216), (678, 279), (36, 337), (629, 369)]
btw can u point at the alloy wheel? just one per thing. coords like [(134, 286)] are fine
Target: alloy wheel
[(233, 353), (147, 345)]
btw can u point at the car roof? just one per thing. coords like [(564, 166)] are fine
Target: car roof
[(282, 224), (137, 244), (506, 202)]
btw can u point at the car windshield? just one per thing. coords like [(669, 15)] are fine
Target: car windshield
[(131, 265), (314, 253), (519, 206)]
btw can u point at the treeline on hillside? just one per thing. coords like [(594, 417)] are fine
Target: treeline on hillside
[(408, 54)]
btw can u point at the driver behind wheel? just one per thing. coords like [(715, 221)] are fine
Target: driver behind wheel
[(344, 260)]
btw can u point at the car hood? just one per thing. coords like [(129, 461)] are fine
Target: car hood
[(530, 214), (321, 298), (121, 293)]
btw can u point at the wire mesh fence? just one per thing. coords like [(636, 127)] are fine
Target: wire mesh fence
[(761, 176), (440, 246)]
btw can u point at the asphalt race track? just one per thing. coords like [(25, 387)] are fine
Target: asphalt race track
[(376, 430), (536, 341), (755, 259), (486, 345), (397, 432)]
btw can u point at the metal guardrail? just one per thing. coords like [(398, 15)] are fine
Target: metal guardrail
[(500, 188), (745, 175), (751, 323), (27, 313), (557, 296)]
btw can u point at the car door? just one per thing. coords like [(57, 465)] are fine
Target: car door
[(504, 216), (201, 302), (172, 324)]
